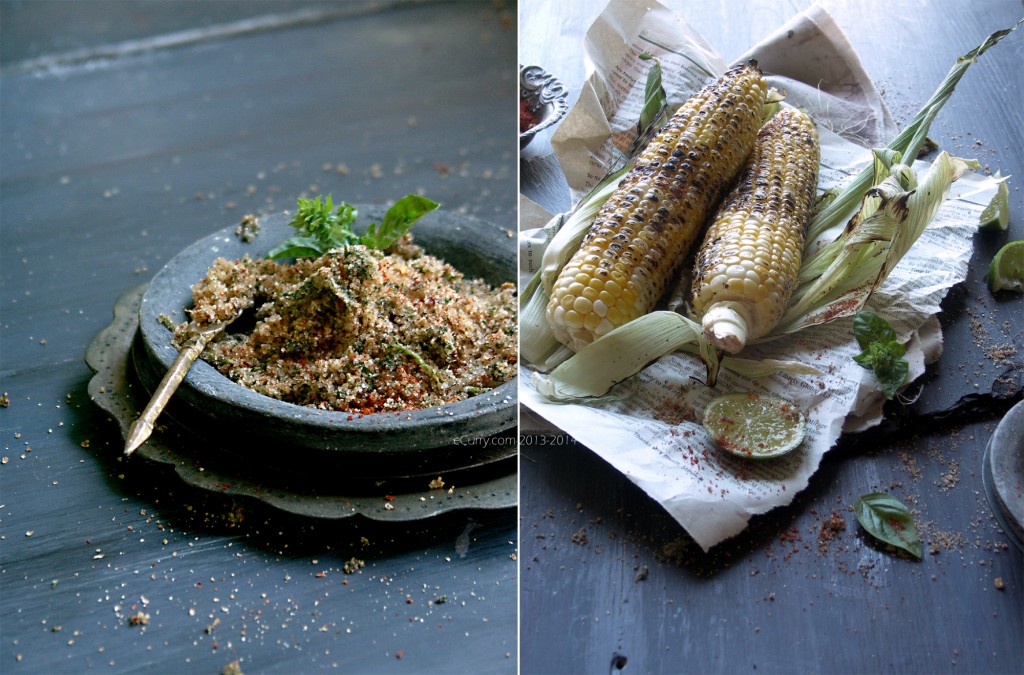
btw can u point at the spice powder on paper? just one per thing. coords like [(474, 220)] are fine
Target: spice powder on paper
[(357, 329)]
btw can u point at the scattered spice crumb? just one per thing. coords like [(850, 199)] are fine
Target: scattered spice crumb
[(940, 540), (233, 668), (352, 565), (138, 619), (999, 584), (580, 537), (910, 466), (4, 400), (948, 480), (830, 529), (673, 412), (248, 228)]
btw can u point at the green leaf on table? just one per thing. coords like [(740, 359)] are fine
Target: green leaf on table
[(880, 353), (887, 519), (298, 247), (397, 221)]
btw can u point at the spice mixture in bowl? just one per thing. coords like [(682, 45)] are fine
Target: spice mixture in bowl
[(349, 360)]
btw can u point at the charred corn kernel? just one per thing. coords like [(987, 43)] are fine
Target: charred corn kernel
[(747, 265), (645, 230)]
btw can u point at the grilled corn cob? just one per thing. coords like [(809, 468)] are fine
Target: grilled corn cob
[(645, 230), (747, 265)]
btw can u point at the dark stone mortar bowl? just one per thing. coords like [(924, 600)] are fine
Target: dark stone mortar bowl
[(286, 437)]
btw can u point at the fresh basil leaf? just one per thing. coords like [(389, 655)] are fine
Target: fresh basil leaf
[(321, 227), (881, 353), (884, 361), (891, 371), (866, 358), (887, 519), (298, 247), (868, 327), (397, 221)]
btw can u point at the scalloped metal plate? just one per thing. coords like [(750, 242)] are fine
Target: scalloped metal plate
[(114, 389)]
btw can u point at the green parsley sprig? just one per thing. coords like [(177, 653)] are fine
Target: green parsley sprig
[(322, 227)]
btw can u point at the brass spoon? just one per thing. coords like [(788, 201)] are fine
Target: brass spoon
[(143, 427)]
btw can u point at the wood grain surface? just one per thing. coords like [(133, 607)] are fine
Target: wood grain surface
[(128, 130), (610, 583), (120, 147)]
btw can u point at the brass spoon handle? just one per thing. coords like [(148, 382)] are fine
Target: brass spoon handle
[(143, 427)]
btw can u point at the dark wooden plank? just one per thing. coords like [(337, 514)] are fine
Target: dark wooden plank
[(602, 559), (37, 32)]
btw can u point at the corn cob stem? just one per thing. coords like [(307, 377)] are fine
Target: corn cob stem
[(727, 324)]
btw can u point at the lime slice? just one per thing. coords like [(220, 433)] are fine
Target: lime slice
[(755, 426), (996, 215), (1006, 273)]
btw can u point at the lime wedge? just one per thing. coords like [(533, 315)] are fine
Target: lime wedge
[(1006, 273), (996, 215), (754, 426)]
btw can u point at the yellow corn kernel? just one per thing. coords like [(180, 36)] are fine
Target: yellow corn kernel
[(747, 265), (645, 230)]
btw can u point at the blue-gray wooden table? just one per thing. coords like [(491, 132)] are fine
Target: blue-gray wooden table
[(611, 583), (129, 130)]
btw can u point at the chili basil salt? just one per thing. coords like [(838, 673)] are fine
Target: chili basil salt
[(357, 329)]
